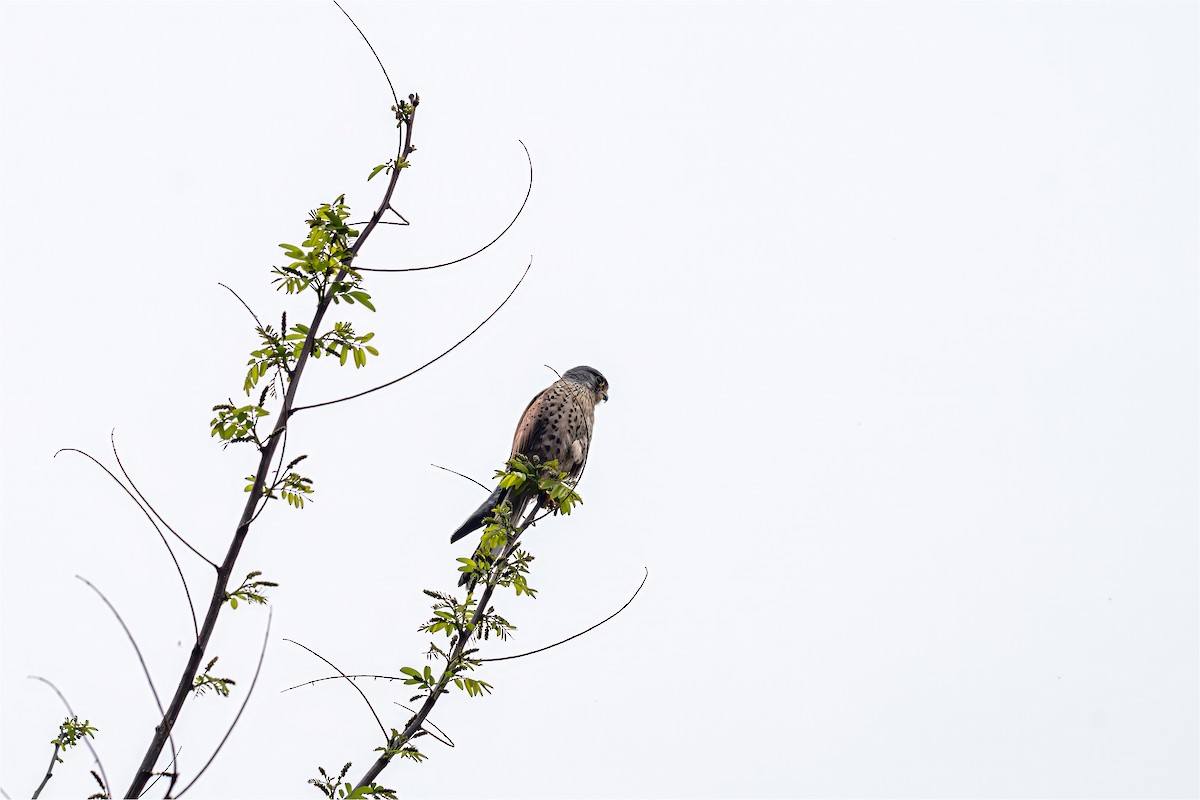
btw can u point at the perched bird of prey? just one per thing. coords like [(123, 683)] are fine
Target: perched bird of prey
[(557, 424)]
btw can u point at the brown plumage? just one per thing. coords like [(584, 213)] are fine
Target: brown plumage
[(556, 425)]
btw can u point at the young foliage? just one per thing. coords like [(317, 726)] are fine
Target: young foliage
[(71, 733), (290, 485), (251, 591), (497, 562), (206, 681), (335, 789)]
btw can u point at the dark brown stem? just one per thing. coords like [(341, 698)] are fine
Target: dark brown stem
[(49, 773), (184, 689), (418, 721), (232, 725)]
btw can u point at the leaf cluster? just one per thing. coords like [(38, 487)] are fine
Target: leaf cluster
[(335, 789), (237, 423), (71, 733), (290, 486), (251, 591), (553, 488), (207, 681)]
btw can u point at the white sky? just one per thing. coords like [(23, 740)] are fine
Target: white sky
[(899, 308)]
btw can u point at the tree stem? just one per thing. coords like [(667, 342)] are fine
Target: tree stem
[(187, 678)]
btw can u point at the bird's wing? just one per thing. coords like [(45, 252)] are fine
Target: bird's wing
[(533, 423)]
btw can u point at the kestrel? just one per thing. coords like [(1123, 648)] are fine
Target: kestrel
[(557, 424)]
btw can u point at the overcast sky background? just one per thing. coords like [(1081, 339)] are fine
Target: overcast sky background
[(898, 304)]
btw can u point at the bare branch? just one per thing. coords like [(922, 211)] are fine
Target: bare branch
[(244, 304), (343, 677), (187, 592), (581, 633), (459, 474), (113, 438), (86, 739), (348, 680), (440, 733), (386, 77), (431, 361), (512, 222), (136, 649), (238, 716)]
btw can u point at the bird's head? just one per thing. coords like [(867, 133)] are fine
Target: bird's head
[(590, 378)]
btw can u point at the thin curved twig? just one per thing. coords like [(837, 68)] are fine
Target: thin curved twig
[(348, 680), (243, 302), (170, 770), (431, 361), (86, 739), (386, 77), (187, 592), (447, 741), (278, 466), (581, 633), (513, 221), (232, 725), (137, 650), (343, 676), (459, 474), (112, 437)]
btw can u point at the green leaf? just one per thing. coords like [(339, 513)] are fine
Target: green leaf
[(376, 171), (233, 602)]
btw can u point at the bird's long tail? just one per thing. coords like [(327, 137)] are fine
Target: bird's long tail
[(475, 521)]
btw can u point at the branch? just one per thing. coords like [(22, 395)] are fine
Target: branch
[(136, 649), (386, 77), (183, 689), (446, 741), (86, 739), (418, 721), (170, 770), (431, 361), (238, 716), (113, 438), (459, 474), (512, 222), (187, 592), (49, 773), (343, 676), (244, 304), (581, 633), (378, 721)]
